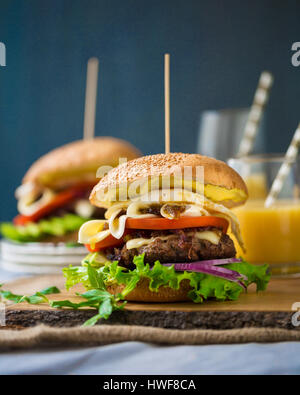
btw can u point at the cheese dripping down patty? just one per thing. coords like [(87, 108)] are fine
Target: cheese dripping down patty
[(191, 204)]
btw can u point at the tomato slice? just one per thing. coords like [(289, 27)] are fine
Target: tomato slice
[(157, 223), (109, 241), (60, 200), (21, 220)]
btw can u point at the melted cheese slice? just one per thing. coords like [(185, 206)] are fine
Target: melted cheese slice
[(92, 232), (26, 189), (134, 210), (117, 224), (139, 242), (208, 235), (84, 209), (27, 205), (116, 207), (213, 237), (224, 212)]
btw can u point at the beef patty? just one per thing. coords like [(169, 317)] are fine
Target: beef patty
[(183, 246)]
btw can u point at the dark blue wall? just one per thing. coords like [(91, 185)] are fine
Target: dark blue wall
[(218, 49)]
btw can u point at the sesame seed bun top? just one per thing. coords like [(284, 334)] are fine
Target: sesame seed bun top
[(78, 162), (216, 173)]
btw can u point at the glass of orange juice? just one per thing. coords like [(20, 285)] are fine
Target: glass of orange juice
[(271, 235)]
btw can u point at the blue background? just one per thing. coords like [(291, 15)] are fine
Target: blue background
[(218, 49)]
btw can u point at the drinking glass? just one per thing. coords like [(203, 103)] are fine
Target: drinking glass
[(220, 133), (271, 235)]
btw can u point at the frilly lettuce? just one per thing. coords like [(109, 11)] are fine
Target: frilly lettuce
[(203, 286), (54, 226)]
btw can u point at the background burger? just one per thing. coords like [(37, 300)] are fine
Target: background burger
[(163, 244), (53, 198)]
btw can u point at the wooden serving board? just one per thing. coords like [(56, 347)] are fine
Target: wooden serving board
[(272, 308)]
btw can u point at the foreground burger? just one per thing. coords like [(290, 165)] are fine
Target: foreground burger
[(165, 234), (53, 198)]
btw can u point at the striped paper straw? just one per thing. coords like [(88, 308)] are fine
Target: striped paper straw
[(289, 159), (260, 99)]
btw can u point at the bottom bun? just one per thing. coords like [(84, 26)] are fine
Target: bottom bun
[(142, 293)]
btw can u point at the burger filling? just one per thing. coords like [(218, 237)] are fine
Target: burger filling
[(51, 215), (171, 232), (178, 245)]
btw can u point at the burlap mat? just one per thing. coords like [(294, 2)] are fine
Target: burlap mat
[(43, 336)]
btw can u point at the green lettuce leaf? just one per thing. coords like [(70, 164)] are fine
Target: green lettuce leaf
[(38, 297), (55, 226), (95, 279), (203, 286), (96, 297)]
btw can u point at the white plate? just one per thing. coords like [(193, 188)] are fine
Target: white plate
[(39, 257), (43, 259), (29, 269), (41, 248)]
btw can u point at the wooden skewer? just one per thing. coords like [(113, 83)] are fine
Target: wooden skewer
[(90, 99), (167, 103)]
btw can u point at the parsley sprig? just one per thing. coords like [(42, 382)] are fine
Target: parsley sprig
[(97, 298)]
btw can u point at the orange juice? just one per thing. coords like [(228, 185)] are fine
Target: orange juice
[(271, 235), (257, 186)]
